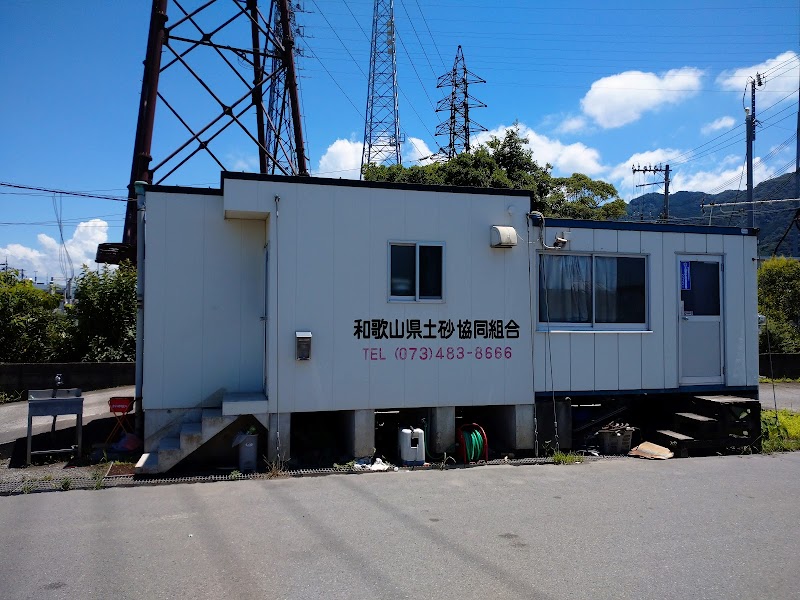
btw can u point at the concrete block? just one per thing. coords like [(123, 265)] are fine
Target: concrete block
[(279, 434), (361, 429), (443, 429)]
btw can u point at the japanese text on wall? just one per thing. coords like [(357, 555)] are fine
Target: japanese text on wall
[(410, 329)]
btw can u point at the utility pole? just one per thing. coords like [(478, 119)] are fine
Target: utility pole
[(750, 122), (656, 169), (796, 246)]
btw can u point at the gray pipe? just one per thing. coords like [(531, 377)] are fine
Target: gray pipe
[(140, 224)]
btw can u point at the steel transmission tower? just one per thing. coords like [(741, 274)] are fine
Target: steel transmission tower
[(233, 62), (458, 126), (382, 137)]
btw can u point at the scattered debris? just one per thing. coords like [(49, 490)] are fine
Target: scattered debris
[(652, 451)]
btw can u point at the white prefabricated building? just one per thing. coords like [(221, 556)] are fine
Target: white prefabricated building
[(273, 296)]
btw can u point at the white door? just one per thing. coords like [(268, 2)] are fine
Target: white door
[(700, 319)]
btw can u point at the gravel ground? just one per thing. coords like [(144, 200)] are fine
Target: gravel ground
[(55, 471)]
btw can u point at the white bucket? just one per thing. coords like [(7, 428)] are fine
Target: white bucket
[(412, 446)]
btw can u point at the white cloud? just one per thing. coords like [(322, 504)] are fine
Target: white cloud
[(621, 99), (341, 159), (45, 261), (240, 162), (725, 122), (719, 180), (565, 158), (727, 174), (781, 74), (572, 125), (416, 152)]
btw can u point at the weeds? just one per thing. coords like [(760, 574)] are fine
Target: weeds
[(276, 468), (27, 487), (65, 484), (235, 474), (566, 458), (6, 398), (780, 432), (444, 462)]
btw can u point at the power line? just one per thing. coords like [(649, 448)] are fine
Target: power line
[(61, 192)]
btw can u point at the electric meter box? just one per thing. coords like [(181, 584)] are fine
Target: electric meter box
[(302, 349)]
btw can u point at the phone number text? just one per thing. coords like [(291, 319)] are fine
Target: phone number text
[(447, 353)]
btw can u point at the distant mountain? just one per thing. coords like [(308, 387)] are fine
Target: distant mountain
[(771, 219)]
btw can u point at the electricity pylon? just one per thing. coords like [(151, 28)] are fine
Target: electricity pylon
[(235, 54), (382, 137), (459, 127)]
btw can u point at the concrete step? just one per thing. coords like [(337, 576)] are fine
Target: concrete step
[(244, 403), (191, 437), (214, 422), (169, 453), (695, 417), (148, 464), (680, 437)]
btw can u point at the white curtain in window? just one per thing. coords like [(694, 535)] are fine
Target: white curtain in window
[(565, 284), (605, 279)]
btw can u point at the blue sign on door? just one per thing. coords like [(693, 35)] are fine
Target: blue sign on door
[(686, 276)]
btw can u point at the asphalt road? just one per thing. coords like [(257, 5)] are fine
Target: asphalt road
[(717, 527), (14, 415), (787, 395)]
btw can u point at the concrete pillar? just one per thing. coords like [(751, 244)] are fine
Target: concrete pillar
[(517, 425), (361, 429), (546, 422), (279, 434), (442, 429)]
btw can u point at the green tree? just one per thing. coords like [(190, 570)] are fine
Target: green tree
[(509, 164), (104, 315), (581, 197), (779, 301), (29, 323)]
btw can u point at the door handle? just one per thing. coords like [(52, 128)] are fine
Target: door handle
[(685, 318)]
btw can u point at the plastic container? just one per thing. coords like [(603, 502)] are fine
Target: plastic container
[(615, 441), (248, 453), (411, 443)]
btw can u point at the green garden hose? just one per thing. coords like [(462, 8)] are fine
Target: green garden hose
[(473, 445)]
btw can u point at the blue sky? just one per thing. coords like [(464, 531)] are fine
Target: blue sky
[(596, 86)]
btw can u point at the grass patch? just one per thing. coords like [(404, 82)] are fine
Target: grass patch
[(566, 458), (763, 379), (781, 434)]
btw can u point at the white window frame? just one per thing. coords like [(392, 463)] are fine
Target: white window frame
[(594, 326), (416, 297)]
